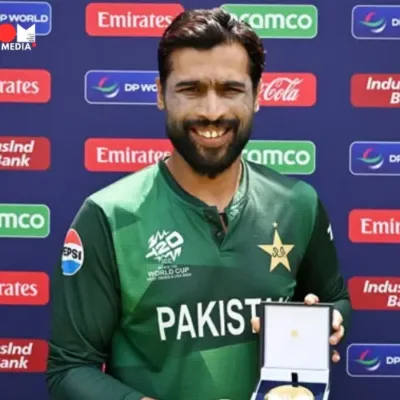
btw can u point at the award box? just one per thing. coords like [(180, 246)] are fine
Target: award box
[(295, 349)]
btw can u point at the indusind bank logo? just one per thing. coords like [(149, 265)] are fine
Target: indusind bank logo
[(18, 153), (23, 355), (130, 19), (375, 293)]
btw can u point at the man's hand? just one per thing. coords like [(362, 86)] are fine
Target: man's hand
[(337, 321)]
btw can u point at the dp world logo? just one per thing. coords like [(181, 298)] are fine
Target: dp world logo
[(107, 89), (371, 159), (373, 360), (121, 87), (368, 361), (375, 158), (376, 22)]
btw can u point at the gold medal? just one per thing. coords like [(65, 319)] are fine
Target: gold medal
[(289, 392)]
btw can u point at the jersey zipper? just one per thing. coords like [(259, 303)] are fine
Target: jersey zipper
[(224, 227)]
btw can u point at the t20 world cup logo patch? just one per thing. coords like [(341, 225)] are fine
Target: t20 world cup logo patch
[(72, 256)]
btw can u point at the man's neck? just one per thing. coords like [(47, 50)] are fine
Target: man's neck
[(216, 192)]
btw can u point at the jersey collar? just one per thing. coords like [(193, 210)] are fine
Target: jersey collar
[(232, 209)]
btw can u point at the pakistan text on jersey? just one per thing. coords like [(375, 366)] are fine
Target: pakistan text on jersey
[(220, 317)]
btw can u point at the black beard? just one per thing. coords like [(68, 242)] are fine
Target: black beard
[(209, 163)]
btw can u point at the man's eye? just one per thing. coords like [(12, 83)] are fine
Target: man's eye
[(189, 89), (234, 90)]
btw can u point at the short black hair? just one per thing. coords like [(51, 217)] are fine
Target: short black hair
[(203, 29)]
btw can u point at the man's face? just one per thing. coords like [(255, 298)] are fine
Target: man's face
[(210, 103)]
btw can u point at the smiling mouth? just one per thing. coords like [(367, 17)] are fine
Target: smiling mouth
[(211, 133)]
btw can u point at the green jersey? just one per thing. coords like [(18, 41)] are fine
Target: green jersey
[(162, 288)]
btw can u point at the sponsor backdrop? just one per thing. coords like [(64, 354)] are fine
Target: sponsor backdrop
[(78, 111)]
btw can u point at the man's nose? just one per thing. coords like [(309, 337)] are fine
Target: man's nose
[(212, 107)]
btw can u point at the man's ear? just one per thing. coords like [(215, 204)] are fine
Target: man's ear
[(160, 97)]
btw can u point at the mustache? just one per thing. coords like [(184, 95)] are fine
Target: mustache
[(226, 123)]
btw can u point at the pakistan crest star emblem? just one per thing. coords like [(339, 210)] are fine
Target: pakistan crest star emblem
[(278, 251)]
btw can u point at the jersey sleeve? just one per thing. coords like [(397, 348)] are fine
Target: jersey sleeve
[(319, 272), (85, 313)]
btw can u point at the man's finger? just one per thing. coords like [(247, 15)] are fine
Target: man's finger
[(311, 299), (337, 319), (255, 323), (335, 356), (337, 336)]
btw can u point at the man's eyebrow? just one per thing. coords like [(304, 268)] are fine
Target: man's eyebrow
[(187, 83), (237, 84), (231, 83)]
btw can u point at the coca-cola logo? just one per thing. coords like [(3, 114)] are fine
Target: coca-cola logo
[(284, 89), (288, 89)]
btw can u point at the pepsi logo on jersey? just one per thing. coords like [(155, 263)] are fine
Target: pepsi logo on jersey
[(72, 257)]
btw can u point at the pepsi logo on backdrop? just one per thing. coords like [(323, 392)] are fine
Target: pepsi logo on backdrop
[(72, 257)]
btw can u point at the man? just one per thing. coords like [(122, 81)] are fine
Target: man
[(163, 271)]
